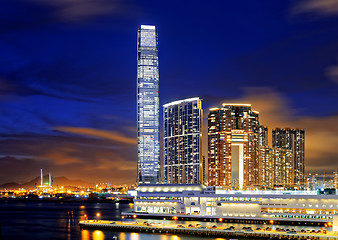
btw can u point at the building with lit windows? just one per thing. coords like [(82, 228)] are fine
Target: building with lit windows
[(182, 141), (294, 140), (275, 168), (233, 146), (148, 144), (263, 136), (266, 167), (315, 181), (211, 202), (282, 170)]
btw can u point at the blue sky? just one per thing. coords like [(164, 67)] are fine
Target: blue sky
[(68, 76)]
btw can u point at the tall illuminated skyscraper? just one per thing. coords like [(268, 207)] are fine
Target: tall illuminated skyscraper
[(182, 141), (148, 167), (233, 146), (294, 140)]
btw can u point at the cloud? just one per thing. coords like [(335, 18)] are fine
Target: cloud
[(77, 10), (91, 159), (98, 133), (321, 133), (320, 7), (332, 73)]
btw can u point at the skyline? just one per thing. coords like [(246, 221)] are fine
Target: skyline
[(68, 78)]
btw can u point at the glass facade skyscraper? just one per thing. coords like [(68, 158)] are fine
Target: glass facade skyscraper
[(233, 146), (182, 142), (148, 167)]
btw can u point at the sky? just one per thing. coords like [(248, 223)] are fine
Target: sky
[(68, 76)]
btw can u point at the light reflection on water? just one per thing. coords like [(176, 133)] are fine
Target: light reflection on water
[(98, 235), (59, 220), (85, 235), (101, 235), (134, 236)]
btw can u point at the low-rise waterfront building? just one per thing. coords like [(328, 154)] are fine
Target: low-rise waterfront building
[(213, 202)]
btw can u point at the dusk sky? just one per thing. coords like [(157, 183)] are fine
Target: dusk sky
[(68, 76)]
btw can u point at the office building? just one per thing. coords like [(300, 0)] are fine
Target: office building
[(148, 167), (182, 141), (294, 140), (233, 146)]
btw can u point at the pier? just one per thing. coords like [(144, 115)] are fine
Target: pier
[(201, 231)]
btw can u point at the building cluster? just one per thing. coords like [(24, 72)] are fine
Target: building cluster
[(238, 156)]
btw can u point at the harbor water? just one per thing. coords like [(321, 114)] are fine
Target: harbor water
[(59, 220)]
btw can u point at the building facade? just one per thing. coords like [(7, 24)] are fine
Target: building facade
[(211, 202), (148, 142), (182, 142), (233, 146), (294, 140)]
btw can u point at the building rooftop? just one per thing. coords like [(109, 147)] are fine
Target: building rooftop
[(181, 101)]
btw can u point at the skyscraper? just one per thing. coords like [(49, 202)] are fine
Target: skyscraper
[(233, 146), (182, 141), (148, 167), (294, 140)]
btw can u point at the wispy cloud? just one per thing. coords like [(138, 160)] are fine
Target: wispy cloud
[(320, 132), (332, 73), (98, 134), (93, 159), (76, 10), (319, 7)]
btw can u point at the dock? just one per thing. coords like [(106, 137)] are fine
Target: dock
[(202, 231)]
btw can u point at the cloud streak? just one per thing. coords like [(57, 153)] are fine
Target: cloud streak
[(275, 111), (77, 10), (92, 159), (98, 134), (321, 7)]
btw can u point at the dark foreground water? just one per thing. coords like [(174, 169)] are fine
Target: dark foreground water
[(57, 220)]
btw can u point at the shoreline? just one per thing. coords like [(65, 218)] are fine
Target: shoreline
[(63, 200), (134, 227)]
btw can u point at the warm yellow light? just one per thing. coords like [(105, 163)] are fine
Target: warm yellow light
[(175, 218), (271, 221), (134, 216), (329, 224), (236, 104), (122, 217), (85, 215), (220, 219), (98, 214), (164, 219)]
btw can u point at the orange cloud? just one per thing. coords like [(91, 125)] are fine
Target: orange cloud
[(60, 156), (98, 133), (323, 7), (321, 133)]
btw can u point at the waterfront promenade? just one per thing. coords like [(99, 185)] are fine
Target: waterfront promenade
[(172, 228)]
